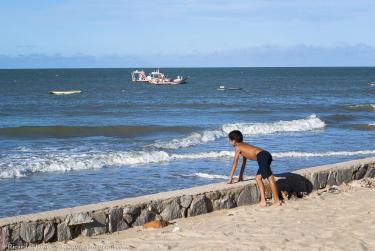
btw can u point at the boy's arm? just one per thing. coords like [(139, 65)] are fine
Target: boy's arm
[(240, 178), (234, 166)]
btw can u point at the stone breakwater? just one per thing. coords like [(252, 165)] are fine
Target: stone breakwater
[(112, 216)]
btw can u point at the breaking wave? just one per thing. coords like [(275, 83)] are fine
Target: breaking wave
[(191, 140), (299, 125), (312, 122), (18, 166), (362, 107)]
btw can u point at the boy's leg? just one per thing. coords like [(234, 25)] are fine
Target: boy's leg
[(275, 192), (260, 184)]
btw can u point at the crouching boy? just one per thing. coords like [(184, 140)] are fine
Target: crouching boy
[(264, 159)]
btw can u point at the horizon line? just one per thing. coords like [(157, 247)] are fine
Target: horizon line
[(181, 67)]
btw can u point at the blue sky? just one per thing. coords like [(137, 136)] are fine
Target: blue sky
[(120, 33)]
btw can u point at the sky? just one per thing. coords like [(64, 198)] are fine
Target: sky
[(121, 33)]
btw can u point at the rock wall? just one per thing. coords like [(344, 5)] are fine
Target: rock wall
[(112, 216)]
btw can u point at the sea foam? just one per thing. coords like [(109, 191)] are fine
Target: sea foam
[(215, 176), (18, 166), (321, 154), (362, 107)]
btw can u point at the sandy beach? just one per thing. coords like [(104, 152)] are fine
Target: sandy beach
[(341, 218)]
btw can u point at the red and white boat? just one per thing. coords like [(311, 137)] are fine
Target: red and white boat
[(157, 78)]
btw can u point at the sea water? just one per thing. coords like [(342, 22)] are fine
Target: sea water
[(119, 139)]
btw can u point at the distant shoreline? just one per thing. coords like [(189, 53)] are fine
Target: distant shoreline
[(183, 67)]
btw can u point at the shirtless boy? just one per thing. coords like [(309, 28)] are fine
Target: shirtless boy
[(264, 160)]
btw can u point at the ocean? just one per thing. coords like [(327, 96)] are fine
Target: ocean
[(118, 139)]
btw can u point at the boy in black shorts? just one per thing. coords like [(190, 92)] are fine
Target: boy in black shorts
[(264, 160)]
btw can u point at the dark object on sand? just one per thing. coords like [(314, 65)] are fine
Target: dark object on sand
[(157, 224)]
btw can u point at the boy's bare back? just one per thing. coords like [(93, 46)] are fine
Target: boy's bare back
[(248, 151)]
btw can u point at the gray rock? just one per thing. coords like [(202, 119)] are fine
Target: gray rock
[(188, 212), (248, 196), (49, 232), (144, 217), (186, 200), (158, 206), (78, 219), (322, 179), (184, 212), (344, 175), (154, 206), (360, 172), (370, 173), (215, 195), (314, 180), (331, 181), (87, 230), (4, 237), (99, 216), (171, 211), (224, 203), (31, 232), (231, 193), (132, 210), (15, 238), (128, 218), (235, 193), (98, 226), (198, 206), (94, 228), (64, 233), (99, 223), (116, 221), (130, 214)]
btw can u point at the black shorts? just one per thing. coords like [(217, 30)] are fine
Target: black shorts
[(264, 159)]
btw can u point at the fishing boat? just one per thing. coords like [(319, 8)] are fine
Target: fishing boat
[(372, 83), (139, 76), (157, 78), (67, 92)]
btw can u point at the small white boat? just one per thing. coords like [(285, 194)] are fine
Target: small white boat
[(372, 83), (67, 92), (222, 88), (139, 76)]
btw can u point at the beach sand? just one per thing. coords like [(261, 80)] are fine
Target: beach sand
[(335, 219)]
